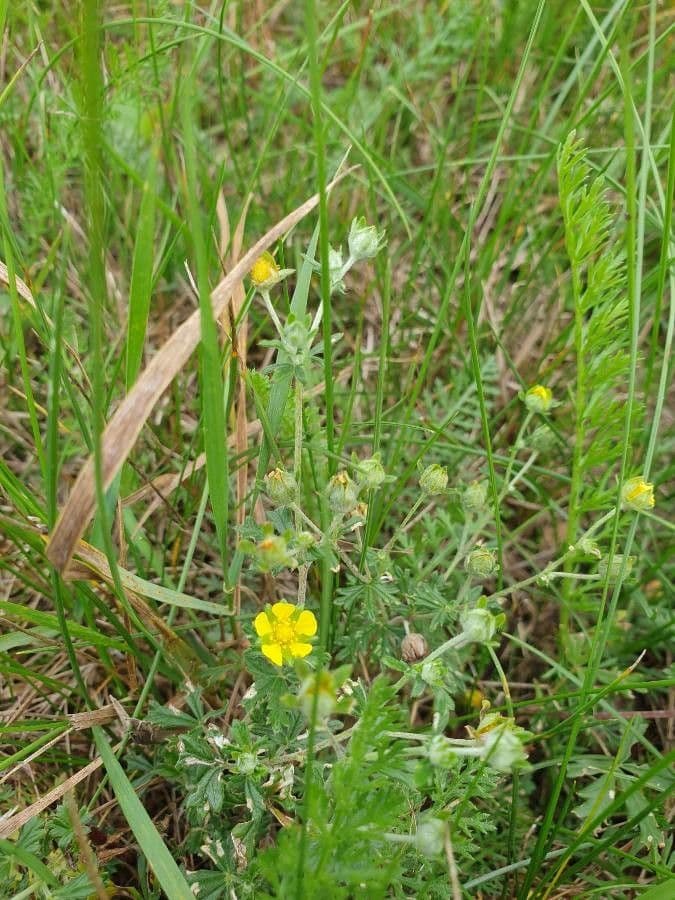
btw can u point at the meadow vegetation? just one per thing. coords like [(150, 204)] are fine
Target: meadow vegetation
[(336, 542)]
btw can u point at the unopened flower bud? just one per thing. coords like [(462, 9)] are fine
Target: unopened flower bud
[(370, 473), (430, 837), (318, 688), (539, 399), (434, 480), (478, 625), (343, 494), (413, 647), (271, 552), (502, 747), (615, 567), (542, 439), (296, 338), (474, 496), (638, 494), (336, 270), (303, 541), (364, 240), (281, 487), (481, 562)]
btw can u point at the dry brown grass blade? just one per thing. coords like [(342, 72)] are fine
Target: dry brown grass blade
[(223, 224), (92, 717), (13, 823), (161, 487), (90, 562), (21, 287), (126, 424)]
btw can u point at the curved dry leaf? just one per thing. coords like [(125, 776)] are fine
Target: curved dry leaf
[(123, 430), (22, 288)]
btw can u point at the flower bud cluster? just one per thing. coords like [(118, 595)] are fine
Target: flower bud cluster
[(343, 492), (364, 242), (276, 551)]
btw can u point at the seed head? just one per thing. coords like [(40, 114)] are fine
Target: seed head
[(413, 647)]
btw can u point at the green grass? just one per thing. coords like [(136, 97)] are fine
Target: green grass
[(121, 129)]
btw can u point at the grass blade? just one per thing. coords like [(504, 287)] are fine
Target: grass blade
[(161, 862)]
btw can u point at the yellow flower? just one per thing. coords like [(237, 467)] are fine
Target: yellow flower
[(638, 494), (283, 631), (265, 270), (539, 398)]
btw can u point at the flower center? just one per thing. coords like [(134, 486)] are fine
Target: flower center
[(284, 633)]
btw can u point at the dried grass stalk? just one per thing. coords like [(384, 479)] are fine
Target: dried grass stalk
[(126, 424)]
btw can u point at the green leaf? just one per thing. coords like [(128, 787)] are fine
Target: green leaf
[(22, 613), (210, 366), (161, 862), (140, 289), (30, 861)]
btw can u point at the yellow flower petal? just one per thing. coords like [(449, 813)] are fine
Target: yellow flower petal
[(300, 650), (305, 625), (273, 653), (282, 611), (264, 268), (262, 624)]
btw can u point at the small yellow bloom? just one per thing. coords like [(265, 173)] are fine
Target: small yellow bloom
[(638, 494), (265, 271), (474, 699), (283, 631), (539, 398)]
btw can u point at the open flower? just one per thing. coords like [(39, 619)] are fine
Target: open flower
[(265, 272), (638, 494), (283, 631)]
